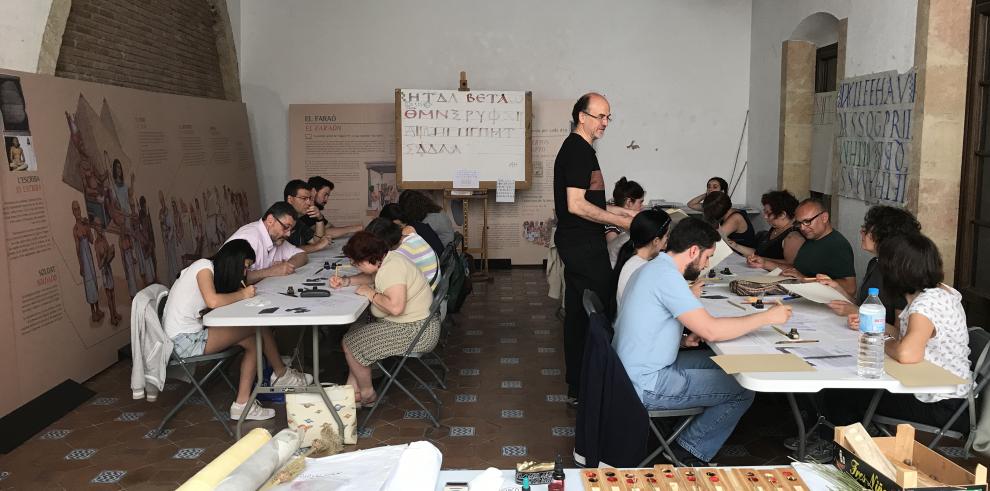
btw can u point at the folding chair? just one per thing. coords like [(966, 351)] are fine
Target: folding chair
[(391, 377), (979, 348), (188, 367), (593, 305), (441, 378)]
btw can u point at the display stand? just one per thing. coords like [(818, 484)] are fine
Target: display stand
[(482, 252)]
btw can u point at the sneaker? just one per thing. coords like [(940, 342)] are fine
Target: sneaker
[(291, 377), (257, 412), (792, 442)]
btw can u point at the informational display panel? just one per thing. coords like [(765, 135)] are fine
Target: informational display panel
[(446, 133), (106, 191), (352, 145)]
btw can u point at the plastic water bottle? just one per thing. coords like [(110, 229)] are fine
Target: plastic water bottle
[(872, 331)]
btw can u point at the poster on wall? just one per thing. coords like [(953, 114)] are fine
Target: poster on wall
[(873, 136), (108, 190), (353, 145)]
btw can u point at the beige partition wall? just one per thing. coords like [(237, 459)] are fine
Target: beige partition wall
[(797, 97), (941, 60)]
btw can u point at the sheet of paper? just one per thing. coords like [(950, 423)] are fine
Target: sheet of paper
[(823, 355), (466, 179), (816, 292), (722, 251), (923, 374), (784, 362), (676, 214), (775, 272), (505, 191)]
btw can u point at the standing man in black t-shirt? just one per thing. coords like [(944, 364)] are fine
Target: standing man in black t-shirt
[(579, 200)]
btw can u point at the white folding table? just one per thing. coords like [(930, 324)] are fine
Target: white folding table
[(813, 321), (340, 308)]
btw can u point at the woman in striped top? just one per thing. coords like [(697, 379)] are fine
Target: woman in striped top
[(406, 241)]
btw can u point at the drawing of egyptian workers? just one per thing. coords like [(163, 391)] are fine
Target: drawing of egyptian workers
[(105, 253), (93, 179), (123, 217), (82, 235), (169, 238), (146, 233)]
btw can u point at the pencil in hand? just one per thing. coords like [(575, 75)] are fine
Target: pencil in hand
[(244, 285)]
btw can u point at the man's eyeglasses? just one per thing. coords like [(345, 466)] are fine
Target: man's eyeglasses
[(807, 222), (287, 229), (304, 198), (600, 117)]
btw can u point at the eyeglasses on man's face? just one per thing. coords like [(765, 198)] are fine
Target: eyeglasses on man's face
[(807, 222), (288, 230), (601, 117), (304, 198)]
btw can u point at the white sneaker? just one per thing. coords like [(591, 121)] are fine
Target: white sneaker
[(257, 412), (291, 377)]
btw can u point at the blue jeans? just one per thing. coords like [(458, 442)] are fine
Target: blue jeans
[(694, 380)]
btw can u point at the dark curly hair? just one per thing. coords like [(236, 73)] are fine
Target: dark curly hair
[(780, 202), (416, 205), (365, 247), (883, 222)]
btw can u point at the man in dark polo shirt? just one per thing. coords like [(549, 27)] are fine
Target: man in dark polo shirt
[(825, 251), (299, 194), (579, 200)]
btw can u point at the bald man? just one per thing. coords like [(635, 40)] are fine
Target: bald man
[(579, 200)]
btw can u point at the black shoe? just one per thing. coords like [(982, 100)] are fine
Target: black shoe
[(572, 402), (687, 459)]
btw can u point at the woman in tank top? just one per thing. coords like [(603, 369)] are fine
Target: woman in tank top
[(782, 242), (733, 224)]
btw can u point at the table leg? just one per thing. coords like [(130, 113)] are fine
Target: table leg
[(261, 374), (802, 438), (872, 408), (316, 380)]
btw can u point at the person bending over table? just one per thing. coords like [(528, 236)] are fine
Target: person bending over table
[(732, 224), (400, 300), (714, 184), (395, 213), (211, 283), (418, 207), (783, 241), (321, 226), (648, 238), (274, 256), (880, 224), (410, 244), (627, 195), (932, 327), (657, 306), (825, 251), (299, 194)]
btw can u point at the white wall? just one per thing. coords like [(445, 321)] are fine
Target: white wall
[(880, 37), (22, 26), (676, 72)]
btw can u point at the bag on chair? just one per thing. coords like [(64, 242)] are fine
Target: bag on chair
[(309, 412)]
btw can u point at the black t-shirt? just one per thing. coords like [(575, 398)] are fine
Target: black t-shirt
[(303, 232), (576, 166)]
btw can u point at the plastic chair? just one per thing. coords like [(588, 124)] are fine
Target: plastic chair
[(593, 305), (188, 367), (979, 348), (391, 376)]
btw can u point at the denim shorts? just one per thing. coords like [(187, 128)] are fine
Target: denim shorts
[(190, 343)]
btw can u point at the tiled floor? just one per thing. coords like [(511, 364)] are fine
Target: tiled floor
[(504, 403)]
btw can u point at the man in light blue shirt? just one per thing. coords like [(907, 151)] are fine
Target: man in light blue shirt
[(656, 307)]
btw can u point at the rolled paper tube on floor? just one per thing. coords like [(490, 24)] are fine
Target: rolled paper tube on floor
[(255, 471), (214, 472)]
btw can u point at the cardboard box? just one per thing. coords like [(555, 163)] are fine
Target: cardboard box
[(917, 466)]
